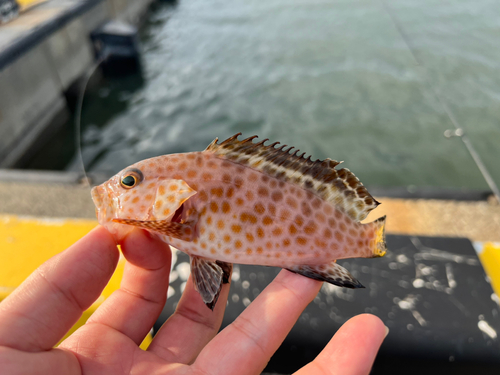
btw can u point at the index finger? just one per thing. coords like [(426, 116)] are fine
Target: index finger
[(45, 306)]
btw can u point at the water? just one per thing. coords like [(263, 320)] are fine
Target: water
[(351, 80)]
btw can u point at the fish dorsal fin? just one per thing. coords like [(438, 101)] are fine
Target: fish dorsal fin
[(337, 186)]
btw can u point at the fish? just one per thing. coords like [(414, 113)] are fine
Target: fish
[(245, 202)]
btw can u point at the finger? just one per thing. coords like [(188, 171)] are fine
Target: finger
[(254, 336), (54, 361), (352, 350), (134, 308), (45, 306), (190, 328)]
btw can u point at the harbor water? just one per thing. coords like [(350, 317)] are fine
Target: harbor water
[(364, 81)]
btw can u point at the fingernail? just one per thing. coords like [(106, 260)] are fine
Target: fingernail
[(386, 331)]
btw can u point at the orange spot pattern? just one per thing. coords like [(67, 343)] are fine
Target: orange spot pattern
[(245, 212)]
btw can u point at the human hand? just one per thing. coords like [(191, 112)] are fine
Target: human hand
[(38, 314)]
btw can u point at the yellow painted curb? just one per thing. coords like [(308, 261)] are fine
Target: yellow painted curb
[(28, 4), (490, 258), (27, 242)]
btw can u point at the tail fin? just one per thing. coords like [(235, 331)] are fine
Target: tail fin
[(379, 247)]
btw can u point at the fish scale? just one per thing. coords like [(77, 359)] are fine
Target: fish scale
[(245, 202)]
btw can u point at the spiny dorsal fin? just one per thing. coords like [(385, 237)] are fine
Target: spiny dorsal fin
[(339, 187)]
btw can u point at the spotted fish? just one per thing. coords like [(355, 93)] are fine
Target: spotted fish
[(250, 203)]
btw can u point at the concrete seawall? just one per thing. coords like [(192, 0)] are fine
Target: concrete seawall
[(43, 53)]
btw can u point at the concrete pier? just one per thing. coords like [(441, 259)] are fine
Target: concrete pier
[(42, 53)]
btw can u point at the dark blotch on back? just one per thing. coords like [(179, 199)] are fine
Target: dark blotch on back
[(342, 173), (304, 170), (361, 192), (352, 181), (349, 194)]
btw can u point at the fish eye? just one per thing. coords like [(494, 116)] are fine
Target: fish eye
[(131, 178), (129, 181)]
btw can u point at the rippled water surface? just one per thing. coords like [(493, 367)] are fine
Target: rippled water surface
[(361, 81)]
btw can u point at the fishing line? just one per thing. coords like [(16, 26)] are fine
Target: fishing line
[(78, 114), (459, 130)]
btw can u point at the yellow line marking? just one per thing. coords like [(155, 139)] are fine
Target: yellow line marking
[(490, 258), (27, 242)]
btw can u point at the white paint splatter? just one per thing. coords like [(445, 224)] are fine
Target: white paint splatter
[(236, 273), (175, 251), (409, 303), (428, 253), (183, 269), (419, 318), (173, 276), (405, 305), (426, 271), (418, 283), (450, 276), (170, 292), (403, 259), (487, 329)]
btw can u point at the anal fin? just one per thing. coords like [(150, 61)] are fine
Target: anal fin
[(332, 273), (208, 277)]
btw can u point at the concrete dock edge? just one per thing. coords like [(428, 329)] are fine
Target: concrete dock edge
[(43, 53)]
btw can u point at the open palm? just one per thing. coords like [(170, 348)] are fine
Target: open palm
[(35, 317)]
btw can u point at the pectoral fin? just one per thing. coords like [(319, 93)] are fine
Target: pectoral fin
[(331, 273), (208, 277), (181, 231)]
